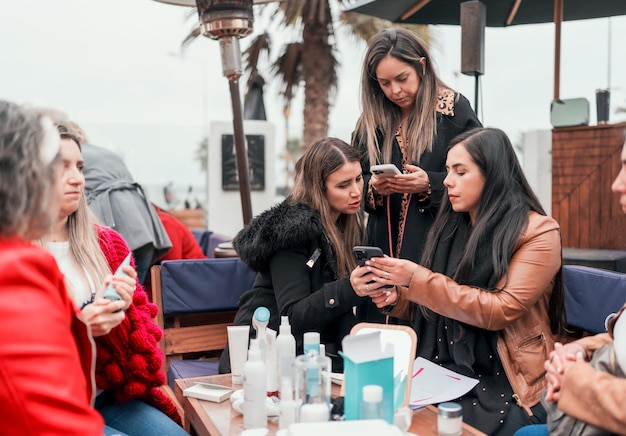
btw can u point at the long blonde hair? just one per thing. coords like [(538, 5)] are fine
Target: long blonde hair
[(318, 162), (84, 246), (382, 115)]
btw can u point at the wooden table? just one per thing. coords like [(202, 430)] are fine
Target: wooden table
[(208, 418)]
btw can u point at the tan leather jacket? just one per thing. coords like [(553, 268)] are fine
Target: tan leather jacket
[(519, 312)]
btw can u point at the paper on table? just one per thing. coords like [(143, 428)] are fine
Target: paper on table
[(434, 384)]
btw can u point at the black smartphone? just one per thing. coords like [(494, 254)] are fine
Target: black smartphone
[(363, 253)]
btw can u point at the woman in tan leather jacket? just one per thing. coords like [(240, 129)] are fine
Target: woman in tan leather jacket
[(487, 299)]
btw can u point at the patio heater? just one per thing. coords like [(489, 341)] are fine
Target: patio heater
[(227, 21)]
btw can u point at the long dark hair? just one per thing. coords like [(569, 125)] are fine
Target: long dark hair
[(319, 161), (506, 188)]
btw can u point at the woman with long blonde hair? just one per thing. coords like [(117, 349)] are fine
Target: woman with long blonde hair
[(128, 360), (409, 117)]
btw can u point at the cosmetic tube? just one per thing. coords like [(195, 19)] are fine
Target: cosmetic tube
[(238, 336)]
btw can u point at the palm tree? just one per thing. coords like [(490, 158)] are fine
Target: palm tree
[(310, 59)]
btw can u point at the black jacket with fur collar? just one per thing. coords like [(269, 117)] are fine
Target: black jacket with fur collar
[(296, 277), (282, 227)]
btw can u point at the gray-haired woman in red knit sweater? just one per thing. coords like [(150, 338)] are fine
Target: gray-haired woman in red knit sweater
[(128, 363)]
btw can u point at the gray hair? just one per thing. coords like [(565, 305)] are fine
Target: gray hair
[(25, 177)]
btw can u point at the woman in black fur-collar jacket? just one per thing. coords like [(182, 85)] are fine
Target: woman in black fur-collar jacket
[(302, 250)]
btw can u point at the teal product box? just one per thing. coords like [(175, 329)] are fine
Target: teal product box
[(365, 362)]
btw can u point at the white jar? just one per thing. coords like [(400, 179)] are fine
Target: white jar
[(450, 419)]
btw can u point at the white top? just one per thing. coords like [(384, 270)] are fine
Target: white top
[(78, 286)]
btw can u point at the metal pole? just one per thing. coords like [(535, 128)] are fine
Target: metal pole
[(558, 19), (231, 68), (240, 149), (476, 82)]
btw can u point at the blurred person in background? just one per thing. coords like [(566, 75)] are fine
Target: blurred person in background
[(578, 388)]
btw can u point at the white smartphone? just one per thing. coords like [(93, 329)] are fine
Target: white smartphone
[(110, 293), (385, 170)]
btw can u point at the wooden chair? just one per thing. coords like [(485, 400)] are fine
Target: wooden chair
[(197, 299)]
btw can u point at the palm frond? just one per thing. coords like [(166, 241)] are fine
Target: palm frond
[(259, 45), (288, 66), (191, 37)]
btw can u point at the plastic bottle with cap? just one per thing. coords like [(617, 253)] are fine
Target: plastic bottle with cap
[(450, 419), (312, 389), (286, 347), (254, 389), (372, 403), (311, 341)]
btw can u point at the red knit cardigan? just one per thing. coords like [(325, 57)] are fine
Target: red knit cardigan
[(128, 359)]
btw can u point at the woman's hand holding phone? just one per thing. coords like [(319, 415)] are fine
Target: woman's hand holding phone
[(363, 281), (121, 286), (103, 315), (415, 181)]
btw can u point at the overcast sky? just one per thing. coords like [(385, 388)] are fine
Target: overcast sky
[(112, 65)]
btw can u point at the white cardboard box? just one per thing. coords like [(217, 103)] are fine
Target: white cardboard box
[(209, 392)]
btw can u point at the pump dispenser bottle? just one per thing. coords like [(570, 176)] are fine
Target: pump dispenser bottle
[(286, 346)]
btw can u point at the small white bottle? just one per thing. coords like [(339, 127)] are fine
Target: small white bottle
[(254, 389), (287, 405), (286, 346), (271, 363), (450, 419), (311, 341), (372, 403)]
